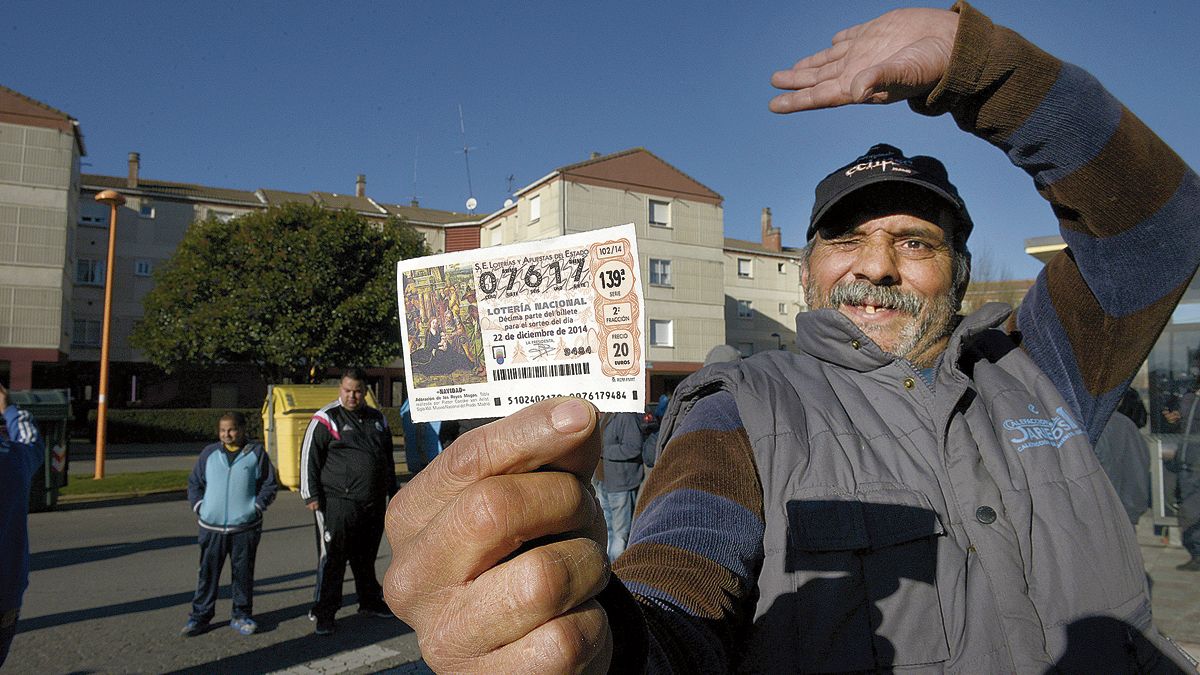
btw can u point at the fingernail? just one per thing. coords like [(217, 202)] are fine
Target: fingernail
[(570, 416)]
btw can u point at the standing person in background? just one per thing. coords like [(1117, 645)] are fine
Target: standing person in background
[(622, 457), (1132, 407), (421, 442), (1187, 474), (414, 454), (650, 422), (1125, 457), (21, 453), (229, 489), (347, 474)]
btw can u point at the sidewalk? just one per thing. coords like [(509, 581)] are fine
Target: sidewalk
[(1175, 595)]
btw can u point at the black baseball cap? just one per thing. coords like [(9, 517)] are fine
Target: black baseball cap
[(887, 163)]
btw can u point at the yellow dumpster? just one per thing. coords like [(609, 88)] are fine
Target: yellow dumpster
[(286, 413)]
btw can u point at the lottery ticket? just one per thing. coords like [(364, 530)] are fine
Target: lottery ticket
[(492, 330)]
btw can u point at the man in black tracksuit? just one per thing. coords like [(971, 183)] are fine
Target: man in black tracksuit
[(347, 475)]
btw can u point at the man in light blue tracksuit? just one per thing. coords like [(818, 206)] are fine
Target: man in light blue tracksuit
[(231, 486)]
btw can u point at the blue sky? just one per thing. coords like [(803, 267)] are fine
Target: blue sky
[(304, 95)]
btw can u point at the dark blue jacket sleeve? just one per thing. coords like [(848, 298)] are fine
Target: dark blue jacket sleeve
[(267, 483), (197, 480), (26, 439)]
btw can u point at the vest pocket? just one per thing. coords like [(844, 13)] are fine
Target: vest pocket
[(864, 567)]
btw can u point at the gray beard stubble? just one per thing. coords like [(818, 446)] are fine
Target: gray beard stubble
[(926, 327)]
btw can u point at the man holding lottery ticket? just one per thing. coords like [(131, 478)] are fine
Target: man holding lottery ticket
[(910, 489)]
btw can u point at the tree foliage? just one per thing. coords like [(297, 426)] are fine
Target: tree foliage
[(292, 290)]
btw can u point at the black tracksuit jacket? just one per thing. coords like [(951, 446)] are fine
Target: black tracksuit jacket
[(347, 455)]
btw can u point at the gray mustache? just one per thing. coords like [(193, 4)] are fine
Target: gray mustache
[(865, 293)]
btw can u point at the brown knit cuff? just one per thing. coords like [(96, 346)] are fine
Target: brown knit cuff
[(967, 61)]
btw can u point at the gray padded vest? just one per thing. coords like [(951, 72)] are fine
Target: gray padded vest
[(963, 528)]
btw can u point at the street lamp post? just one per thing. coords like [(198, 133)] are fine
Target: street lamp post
[(114, 199), (778, 339)]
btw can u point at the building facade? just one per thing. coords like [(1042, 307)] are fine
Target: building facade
[(40, 150), (762, 291), (680, 232), (150, 226)]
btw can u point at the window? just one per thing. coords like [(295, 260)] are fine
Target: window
[(223, 216), (783, 309), (745, 349), (93, 213), (660, 213), (660, 333), (744, 310), (745, 268), (142, 268), (660, 272), (782, 267), (146, 210), (86, 334), (89, 272), (535, 208)]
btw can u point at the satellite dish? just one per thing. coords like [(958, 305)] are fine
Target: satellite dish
[(508, 203), (471, 203)]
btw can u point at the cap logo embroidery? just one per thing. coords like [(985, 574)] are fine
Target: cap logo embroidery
[(883, 165)]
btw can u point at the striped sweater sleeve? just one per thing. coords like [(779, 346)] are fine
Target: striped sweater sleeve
[(1126, 205), (697, 544)]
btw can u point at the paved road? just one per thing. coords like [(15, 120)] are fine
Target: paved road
[(111, 586)]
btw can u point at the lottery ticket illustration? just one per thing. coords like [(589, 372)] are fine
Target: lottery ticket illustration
[(489, 331)]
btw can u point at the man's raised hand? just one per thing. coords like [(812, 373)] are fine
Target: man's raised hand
[(498, 548), (891, 58)]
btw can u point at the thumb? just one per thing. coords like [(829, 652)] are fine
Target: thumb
[(869, 85)]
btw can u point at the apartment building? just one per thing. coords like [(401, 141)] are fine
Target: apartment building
[(150, 226), (40, 149), (680, 232), (762, 291)]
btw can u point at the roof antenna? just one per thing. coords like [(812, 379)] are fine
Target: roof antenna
[(462, 126), (512, 179), (416, 152)]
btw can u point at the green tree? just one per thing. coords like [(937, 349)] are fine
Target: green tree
[(292, 290)]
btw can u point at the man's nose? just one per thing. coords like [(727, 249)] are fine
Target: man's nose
[(876, 263)]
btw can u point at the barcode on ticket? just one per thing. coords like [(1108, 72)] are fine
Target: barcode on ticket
[(551, 370)]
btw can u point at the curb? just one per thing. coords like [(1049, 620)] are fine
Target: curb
[(112, 496)]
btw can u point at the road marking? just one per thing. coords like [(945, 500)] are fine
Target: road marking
[(341, 662)]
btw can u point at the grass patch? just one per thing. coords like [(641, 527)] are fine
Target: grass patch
[(127, 483)]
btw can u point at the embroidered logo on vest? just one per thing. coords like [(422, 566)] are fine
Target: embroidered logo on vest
[(1037, 432)]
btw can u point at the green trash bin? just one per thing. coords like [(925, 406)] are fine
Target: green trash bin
[(51, 409)]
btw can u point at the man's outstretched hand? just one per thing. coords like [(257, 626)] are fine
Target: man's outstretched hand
[(498, 548), (894, 57)]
